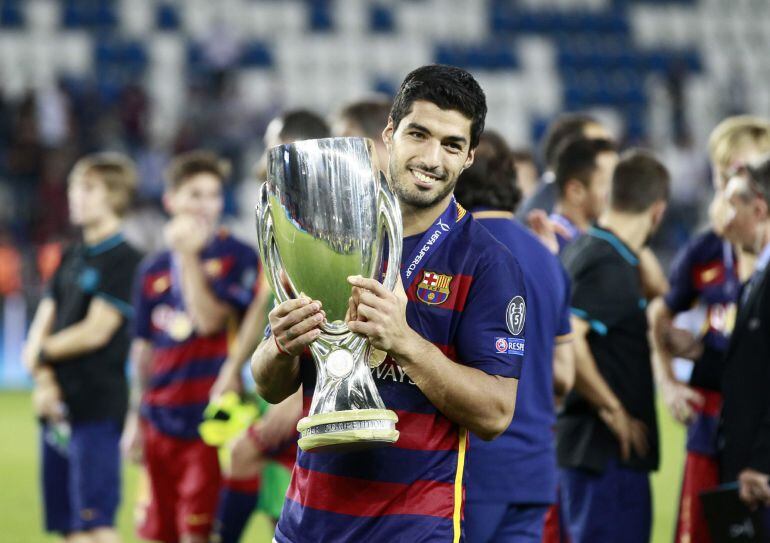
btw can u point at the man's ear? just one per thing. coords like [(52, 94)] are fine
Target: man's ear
[(469, 160), (387, 134), (658, 211)]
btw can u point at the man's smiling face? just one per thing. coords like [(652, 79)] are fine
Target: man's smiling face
[(428, 151)]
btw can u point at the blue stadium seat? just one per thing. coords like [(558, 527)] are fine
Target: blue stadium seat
[(167, 17), (320, 13), (256, 54), (11, 15), (381, 19)]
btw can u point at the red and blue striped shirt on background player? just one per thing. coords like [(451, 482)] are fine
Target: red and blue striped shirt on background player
[(413, 490), (704, 278), (185, 365)]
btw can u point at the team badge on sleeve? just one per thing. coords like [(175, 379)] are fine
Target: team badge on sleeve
[(515, 315), (433, 289)]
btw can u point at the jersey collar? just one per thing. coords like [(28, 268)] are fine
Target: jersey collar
[(622, 249), (105, 245)]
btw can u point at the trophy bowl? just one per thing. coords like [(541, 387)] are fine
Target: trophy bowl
[(325, 213)]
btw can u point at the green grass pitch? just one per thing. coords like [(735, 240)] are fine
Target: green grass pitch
[(20, 497)]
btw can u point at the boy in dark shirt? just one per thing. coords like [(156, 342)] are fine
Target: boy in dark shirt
[(76, 351)]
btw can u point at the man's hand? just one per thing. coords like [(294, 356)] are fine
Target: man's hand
[(295, 324), (186, 234), (679, 399), (754, 488), (132, 442), (47, 401), (379, 314), (630, 433)]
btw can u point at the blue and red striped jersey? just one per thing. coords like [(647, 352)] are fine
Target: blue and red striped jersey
[(704, 277), (460, 300), (184, 364)]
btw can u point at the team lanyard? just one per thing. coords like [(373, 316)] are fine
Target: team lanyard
[(452, 217)]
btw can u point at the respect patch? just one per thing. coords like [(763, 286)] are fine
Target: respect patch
[(510, 345)]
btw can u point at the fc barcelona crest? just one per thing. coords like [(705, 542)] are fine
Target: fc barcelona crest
[(433, 289)]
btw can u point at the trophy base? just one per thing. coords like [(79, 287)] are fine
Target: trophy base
[(344, 431)]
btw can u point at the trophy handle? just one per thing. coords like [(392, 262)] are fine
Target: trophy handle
[(391, 213), (268, 251)]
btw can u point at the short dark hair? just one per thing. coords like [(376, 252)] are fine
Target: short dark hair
[(491, 180), (371, 116), (639, 181), (191, 163), (576, 159), (565, 127), (303, 124), (447, 87)]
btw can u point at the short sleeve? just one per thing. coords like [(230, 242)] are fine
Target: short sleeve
[(237, 286), (116, 277), (142, 307), (682, 293), (601, 293), (564, 328), (491, 333)]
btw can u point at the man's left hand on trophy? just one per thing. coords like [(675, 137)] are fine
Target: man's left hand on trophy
[(379, 314)]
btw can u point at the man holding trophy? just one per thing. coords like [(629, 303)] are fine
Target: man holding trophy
[(436, 347)]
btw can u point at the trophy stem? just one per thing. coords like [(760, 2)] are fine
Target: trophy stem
[(347, 412)]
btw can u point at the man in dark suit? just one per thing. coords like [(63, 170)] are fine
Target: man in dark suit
[(745, 428)]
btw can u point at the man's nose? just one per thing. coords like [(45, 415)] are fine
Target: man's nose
[(432, 155)]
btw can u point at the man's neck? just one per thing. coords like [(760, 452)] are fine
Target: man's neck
[(631, 229), (574, 214), (418, 219), (101, 230)]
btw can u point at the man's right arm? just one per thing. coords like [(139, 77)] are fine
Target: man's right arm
[(294, 325), (592, 386)]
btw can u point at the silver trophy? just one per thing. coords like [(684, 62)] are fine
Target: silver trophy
[(324, 214)]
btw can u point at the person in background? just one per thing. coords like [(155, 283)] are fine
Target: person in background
[(565, 127), (512, 480), (188, 301), (607, 436), (365, 118), (76, 351), (704, 278), (745, 424), (527, 177), (583, 175)]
